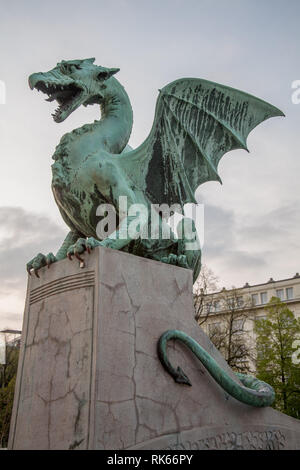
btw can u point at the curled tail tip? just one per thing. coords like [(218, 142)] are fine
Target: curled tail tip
[(182, 378)]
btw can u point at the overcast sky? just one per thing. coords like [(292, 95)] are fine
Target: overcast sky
[(252, 221)]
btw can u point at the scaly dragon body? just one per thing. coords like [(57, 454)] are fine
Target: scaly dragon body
[(88, 168)]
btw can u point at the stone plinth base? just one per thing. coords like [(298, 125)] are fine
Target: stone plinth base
[(89, 376)]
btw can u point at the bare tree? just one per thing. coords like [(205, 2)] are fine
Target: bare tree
[(225, 315), (207, 283), (8, 370)]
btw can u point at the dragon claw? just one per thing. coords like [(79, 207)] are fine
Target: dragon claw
[(82, 245), (182, 261), (50, 258), (78, 257), (38, 262)]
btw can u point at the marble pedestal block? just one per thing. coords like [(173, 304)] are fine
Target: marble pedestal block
[(89, 376)]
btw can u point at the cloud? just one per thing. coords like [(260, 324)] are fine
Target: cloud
[(251, 250), (23, 234), (223, 244), (271, 231), (219, 234)]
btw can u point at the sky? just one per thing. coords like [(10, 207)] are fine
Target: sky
[(251, 223)]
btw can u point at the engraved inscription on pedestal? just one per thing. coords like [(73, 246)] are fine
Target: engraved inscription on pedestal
[(248, 440)]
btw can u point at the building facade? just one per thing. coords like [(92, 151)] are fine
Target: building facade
[(235, 310)]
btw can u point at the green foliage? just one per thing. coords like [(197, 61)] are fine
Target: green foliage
[(275, 336), (8, 370), (8, 374), (6, 404)]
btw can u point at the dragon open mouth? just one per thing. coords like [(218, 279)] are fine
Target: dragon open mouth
[(67, 96)]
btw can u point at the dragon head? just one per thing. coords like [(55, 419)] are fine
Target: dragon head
[(72, 83)]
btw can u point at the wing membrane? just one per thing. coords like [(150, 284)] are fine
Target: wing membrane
[(196, 122)]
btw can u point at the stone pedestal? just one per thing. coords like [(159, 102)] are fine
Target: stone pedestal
[(89, 376)]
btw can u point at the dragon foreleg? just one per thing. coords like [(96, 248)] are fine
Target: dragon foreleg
[(132, 235), (116, 240), (41, 260), (253, 392)]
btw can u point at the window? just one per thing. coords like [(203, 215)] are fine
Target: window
[(214, 328), (261, 317), (238, 325), (235, 302), (213, 306), (261, 351), (254, 299), (240, 360), (239, 352), (208, 308), (263, 298), (289, 293), (280, 294)]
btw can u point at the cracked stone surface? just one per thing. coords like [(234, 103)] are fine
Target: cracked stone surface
[(53, 390), (89, 375)]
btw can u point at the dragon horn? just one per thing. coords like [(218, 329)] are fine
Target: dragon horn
[(91, 60), (113, 71)]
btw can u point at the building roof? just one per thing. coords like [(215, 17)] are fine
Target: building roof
[(247, 285)]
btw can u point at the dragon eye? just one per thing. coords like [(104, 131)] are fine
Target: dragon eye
[(65, 68), (102, 76)]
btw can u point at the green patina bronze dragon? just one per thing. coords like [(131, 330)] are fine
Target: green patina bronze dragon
[(196, 122)]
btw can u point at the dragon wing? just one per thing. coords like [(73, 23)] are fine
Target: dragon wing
[(196, 122)]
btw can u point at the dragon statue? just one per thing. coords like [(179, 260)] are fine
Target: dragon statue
[(196, 122)]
